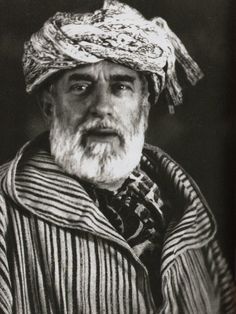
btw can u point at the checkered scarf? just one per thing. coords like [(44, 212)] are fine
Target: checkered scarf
[(140, 214), (117, 33)]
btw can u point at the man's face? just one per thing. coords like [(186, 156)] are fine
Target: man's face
[(99, 115)]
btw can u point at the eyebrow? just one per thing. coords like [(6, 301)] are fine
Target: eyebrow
[(81, 77), (114, 77), (122, 78)]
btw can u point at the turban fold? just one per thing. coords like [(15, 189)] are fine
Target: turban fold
[(117, 33)]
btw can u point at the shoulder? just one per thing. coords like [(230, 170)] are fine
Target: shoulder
[(192, 223), (171, 174), (155, 150), (4, 167), (41, 141), (160, 158)]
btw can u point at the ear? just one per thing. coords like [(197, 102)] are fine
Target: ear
[(46, 103)]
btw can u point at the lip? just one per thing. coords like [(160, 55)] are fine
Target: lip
[(102, 134)]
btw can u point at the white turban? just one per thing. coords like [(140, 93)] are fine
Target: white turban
[(117, 33)]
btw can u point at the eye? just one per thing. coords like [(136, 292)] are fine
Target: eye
[(121, 87), (80, 88)]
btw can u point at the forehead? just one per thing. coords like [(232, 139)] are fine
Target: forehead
[(103, 69)]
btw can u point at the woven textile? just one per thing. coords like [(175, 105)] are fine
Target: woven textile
[(139, 214), (117, 33), (59, 253)]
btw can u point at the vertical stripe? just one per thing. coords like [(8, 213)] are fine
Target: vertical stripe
[(59, 265), (28, 249), (74, 275), (105, 275), (55, 267), (126, 294), (42, 299), (21, 291), (62, 267), (70, 268), (44, 247), (92, 273), (97, 282)]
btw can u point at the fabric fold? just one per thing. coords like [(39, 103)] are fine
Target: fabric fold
[(117, 33)]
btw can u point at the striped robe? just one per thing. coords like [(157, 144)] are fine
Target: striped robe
[(59, 254)]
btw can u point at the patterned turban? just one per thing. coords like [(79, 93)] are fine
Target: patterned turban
[(117, 33)]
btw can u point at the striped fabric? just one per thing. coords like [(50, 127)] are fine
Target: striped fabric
[(59, 254)]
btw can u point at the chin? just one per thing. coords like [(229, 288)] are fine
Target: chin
[(99, 163), (108, 168)]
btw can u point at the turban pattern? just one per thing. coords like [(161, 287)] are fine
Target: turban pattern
[(117, 33)]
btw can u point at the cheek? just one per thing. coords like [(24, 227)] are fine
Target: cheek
[(139, 110), (129, 106), (71, 111), (133, 112)]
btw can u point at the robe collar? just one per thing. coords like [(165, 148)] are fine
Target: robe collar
[(36, 184)]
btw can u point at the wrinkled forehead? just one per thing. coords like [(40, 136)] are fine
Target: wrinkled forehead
[(103, 70)]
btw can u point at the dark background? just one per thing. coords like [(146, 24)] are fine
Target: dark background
[(199, 136)]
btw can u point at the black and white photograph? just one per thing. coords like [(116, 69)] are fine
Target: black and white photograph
[(116, 157)]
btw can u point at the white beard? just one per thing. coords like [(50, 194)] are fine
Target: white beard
[(97, 163)]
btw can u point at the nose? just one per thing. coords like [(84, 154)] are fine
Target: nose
[(101, 105)]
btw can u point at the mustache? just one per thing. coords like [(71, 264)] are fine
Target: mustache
[(112, 125)]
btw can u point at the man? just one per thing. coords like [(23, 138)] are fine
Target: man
[(92, 219)]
